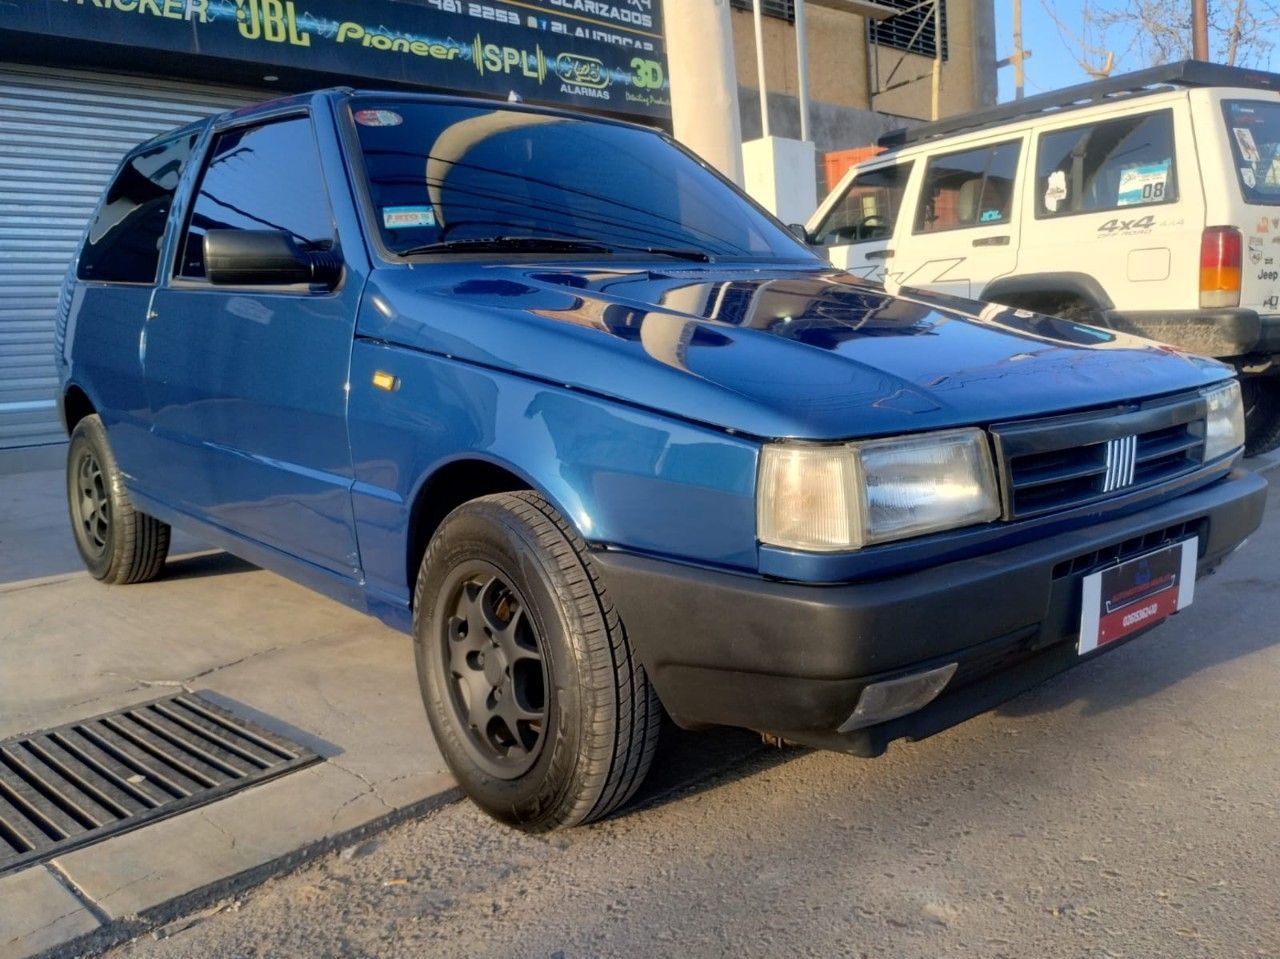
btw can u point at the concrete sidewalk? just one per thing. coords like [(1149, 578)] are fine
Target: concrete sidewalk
[(293, 661)]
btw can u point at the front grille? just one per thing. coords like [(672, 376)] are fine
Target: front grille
[(1067, 461), (1097, 559)]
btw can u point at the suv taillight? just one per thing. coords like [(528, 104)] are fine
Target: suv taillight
[(1220, 260)]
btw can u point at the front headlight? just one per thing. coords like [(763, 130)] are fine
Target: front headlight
[(828, 498), (1224, 421)]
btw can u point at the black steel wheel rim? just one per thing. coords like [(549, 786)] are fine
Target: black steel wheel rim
[(91, 504), (495, 670)]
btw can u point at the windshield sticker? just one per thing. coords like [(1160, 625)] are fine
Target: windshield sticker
[(378, 118), (1056, 190), (990, 216), (402, 217), (1246, 174), (1143, 184), (1248, 148)]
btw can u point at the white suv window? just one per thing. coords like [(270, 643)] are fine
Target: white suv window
[(968, 189), (1253, 127), (1108, 165), (869, 208)]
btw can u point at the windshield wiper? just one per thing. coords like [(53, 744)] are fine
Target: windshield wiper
[(546, 244), (529, 244)]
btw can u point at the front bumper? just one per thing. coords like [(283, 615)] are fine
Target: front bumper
[(1221, 333), (792, 659)]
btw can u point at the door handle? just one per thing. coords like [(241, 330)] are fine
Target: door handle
[(879, 254), (992, 241)]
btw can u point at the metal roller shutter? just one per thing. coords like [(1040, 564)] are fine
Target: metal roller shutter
[(62, 132)]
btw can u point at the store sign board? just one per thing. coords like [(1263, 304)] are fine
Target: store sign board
[(601, 54)]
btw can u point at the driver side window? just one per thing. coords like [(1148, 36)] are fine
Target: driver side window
[(869, 208)]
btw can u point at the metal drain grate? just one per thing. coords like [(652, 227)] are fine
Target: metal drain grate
[(67, 787)]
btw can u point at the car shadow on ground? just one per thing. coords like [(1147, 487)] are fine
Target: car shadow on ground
[(204, 564)]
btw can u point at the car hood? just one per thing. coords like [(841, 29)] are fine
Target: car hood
[(771, 353)]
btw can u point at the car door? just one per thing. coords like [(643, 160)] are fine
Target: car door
[(107, 302), (963, 228), (1117, 199), (857, 230), (248, 385)]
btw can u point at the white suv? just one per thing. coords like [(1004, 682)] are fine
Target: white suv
[(1147, 203)]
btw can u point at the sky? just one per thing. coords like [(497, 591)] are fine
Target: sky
[(1051, 66)]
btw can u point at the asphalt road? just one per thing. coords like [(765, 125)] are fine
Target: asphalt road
[(1130, 808)]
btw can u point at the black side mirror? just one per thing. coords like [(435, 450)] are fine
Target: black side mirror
[(266, 258), (801, 234)]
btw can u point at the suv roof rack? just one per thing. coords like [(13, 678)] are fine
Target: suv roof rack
[(1185, 73)]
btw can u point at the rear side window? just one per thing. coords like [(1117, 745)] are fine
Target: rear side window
[(869, 208), (968, 189), (123, 245), (1253, 128), (260, 178), (1124, 162)]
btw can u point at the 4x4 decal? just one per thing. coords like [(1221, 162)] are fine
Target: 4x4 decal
[(1115, 225)]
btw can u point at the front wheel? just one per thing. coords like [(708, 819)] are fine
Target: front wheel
[(536, 699), (117, 543), (1261, 395)]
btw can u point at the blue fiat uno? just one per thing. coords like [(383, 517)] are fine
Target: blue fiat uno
[(553, 396)]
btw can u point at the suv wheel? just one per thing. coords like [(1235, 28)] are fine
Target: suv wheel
[(535, 697), (1261, 414), (117, 543)]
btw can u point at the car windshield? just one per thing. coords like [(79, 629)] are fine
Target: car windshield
[(1253, 128), (472, 178)]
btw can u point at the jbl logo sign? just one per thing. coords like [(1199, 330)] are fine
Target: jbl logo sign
[(1122, 461)]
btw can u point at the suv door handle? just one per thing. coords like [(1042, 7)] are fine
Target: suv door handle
[(879, 254), (992, 241)]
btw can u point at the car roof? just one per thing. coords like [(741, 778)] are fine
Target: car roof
[(1168, 77), (341, 94)]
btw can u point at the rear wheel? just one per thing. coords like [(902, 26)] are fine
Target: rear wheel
[(1261, 396), (117, 543), (540, 707)]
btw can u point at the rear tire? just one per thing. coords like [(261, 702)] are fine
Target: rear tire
[(117, 543), (541, 709), (1261, 414)]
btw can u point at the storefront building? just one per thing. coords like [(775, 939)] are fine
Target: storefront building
[(83, 81)]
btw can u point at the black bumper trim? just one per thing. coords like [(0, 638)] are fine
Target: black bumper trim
[(1222, 333), (791, 659)]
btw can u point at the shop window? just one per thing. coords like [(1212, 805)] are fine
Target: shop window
[(123, 244), (968, 189), (261, 178)]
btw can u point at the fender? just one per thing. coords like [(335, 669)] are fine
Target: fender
[(1026, 285)]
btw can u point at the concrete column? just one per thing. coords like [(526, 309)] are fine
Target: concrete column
[(704, 82)]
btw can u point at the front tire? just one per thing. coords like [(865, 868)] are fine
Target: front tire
[(536, 699), (117, 543)]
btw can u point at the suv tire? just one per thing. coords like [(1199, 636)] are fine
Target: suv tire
[(1261, 414), (117, 543), (541, 709)]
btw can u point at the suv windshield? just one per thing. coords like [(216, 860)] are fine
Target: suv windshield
[(470, 178), (1253, 128)]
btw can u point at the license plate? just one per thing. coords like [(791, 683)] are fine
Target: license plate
[(1135, 594)]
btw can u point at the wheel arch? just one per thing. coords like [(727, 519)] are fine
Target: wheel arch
[(1039, 287), (74, 404), (454, 482)]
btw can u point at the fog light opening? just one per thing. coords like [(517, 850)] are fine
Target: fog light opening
[(892, 698)]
